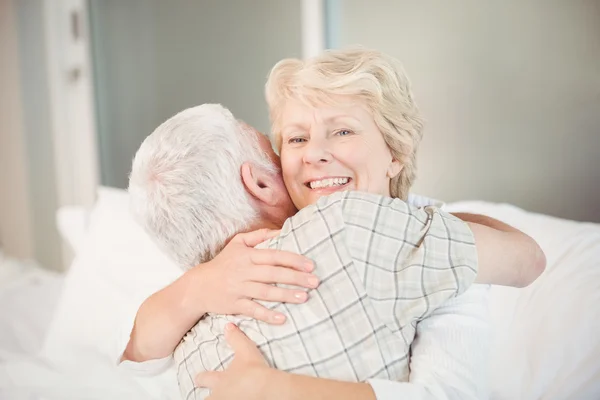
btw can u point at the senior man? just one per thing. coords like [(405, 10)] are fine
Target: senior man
[(202, 177)]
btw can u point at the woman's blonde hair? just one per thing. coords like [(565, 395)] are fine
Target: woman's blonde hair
[(368, 75)]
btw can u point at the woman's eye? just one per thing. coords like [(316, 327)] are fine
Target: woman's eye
[(344, 132), (296, 140)]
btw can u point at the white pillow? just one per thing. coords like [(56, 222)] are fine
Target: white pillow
[(547, 337), (115, 269), (72, 223)]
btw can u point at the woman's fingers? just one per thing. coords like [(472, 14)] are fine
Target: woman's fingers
[(266, 292), (281, 258), (208, 379), (281, 275), (254, 238), (245, 349), (252, 309)]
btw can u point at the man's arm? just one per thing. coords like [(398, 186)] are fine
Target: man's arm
[(506, 255)]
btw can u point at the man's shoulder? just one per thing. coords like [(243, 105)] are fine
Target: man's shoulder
[(327, 211), (342, 206), (353, 195), (414, 200), (342, 203), (356, 198), (356, 202), (360, 207)]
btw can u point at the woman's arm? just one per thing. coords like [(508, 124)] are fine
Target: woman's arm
[(227, 285), (249, 377), (506, 256), (449, 360)]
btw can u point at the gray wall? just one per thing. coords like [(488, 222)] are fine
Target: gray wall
[(510, 91), (155, 58), (39, 151), (15, 217)]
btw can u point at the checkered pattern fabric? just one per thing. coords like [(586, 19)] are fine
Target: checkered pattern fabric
[(383, 266)]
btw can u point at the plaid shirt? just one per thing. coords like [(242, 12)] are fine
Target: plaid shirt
[(383, 266)]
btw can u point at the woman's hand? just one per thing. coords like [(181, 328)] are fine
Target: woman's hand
[(240, 274), (246, 377), (250, 377)]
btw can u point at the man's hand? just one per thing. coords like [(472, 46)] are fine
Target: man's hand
[(246, 377), (240, 274)]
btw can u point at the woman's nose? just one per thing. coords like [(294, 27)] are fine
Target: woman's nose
[(316, 152)]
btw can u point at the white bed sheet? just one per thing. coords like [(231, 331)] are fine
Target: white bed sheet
[(28, 297)]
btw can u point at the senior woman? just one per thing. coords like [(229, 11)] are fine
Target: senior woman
[(351, 111), (347, 121)]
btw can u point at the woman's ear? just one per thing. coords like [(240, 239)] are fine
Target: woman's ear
[(394, 169), (259, 183)]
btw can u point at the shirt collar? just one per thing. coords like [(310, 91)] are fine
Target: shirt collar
[(418, 200)]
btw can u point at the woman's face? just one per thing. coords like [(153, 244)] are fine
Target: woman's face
[(328, 149)]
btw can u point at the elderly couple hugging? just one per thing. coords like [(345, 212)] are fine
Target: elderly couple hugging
[(366, 292)]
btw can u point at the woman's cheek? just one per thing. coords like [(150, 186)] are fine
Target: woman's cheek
[(285, 167)]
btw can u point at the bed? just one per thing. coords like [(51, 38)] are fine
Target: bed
[(56, 331)]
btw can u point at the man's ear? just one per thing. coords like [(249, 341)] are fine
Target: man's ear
[(394, 169), (259, 183)]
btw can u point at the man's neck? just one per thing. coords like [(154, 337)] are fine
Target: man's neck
[(263, 223)]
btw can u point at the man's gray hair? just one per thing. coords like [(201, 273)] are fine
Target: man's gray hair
[(185, 186)]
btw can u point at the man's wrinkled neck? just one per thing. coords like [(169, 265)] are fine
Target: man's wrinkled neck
[(260, 223), (264, 223)]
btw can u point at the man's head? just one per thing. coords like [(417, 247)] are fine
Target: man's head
[(201, 177)]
